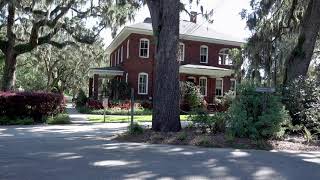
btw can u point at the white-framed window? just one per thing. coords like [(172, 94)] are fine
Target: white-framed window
[(144, 48), (203, 54), (128, 48), (203, 86), (224, 57), (143, 83), (219, 87), (181, 52), (121, 57)]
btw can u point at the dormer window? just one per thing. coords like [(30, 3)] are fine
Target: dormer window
[(224, 57), (203, 54), (144, 48), (181, 52)]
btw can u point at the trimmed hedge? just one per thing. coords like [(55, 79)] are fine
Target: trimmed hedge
[(30, 104)]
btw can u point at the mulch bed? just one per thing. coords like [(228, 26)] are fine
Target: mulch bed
[(191, 136)]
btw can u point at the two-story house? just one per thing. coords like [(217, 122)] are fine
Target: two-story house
[(203, 55)]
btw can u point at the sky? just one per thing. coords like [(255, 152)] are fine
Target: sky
[(226, 17)]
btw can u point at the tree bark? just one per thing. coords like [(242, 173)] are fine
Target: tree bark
[(300, 58), (165, 23), (8, 78)]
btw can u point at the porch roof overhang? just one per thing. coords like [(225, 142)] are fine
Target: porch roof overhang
[(106, 71), (210, 71)]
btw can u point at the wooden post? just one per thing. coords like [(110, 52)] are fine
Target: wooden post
[(132, 106)]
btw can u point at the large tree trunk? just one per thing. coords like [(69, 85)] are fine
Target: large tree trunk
[(300, 58), (165, 23), (8, 79)]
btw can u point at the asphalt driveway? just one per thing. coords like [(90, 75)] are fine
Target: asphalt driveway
[(85, 151)]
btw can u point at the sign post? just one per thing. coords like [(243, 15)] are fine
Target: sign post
[(105, 105), (265, 91)]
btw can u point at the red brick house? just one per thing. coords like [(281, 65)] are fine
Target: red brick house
[(203, 57)]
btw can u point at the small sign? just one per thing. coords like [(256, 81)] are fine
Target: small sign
[(105, 102), (265, 89)]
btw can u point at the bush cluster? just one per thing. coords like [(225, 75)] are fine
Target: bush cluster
[(191, 97), (256, 115), (213, 123), (59, 119), (302, 99), (36, 105), (5, 120)]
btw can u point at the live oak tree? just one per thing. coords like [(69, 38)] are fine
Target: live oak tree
[(27, 24), (284, 36), (165, 15), (60, 70)]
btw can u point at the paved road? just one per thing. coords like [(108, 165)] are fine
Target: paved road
[(86, 151)]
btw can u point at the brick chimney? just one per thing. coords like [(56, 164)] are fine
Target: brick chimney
[(193, 16)]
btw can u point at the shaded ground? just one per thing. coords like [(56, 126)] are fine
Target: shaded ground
[(87, 151), (192, 136)]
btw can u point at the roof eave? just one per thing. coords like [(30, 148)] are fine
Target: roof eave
[(126, 31)]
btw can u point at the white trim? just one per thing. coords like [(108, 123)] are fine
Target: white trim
[(206, 88), (147, 79), (225, 56), (183, 49), (121, 57), (127, 76), (235, 84), (207, 54), (105, 72), (128, 48), (194, 79), (126, 31), (221, 87), (118, 56), (148, 49), (202, 70)]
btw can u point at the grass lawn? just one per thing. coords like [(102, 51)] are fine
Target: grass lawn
[(115, 118)]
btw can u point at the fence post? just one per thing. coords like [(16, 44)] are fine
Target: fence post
[(132, 106)]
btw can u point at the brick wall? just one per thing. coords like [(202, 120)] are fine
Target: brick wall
[(135, 64)]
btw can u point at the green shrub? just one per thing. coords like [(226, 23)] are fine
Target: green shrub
[(214, 123), (302, 99), (182, 136), (59, 119), (114, 111), (5, 120), (135, 129), (204, 141), (190, 95), (85, 110), (255, 115), (81, 99)]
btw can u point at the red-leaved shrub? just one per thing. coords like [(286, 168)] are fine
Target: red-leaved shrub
[(30, 104), (94, 104)]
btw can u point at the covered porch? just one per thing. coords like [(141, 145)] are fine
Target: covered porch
[(99, 77), (213, 81)]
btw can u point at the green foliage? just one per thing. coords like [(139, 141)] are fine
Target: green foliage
[(255, 115), (182, 136), (190, 95), (114, 111), (81, 99), (4, 120), (214, 123), (59, 119), (135, 129), (302, 99), (204, 141)]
